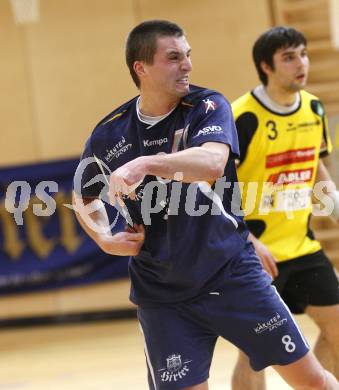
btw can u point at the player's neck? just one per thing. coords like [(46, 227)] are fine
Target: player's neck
[(156, 104), (280, 95)]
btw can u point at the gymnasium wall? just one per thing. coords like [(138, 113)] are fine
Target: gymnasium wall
[(61, 73)]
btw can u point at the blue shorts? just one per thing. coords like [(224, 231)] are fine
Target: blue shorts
[(180, 338)]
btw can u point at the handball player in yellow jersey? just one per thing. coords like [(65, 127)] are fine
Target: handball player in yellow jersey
[(283, 135)]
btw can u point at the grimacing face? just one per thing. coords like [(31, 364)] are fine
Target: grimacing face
[(291, 66), (171, 67)]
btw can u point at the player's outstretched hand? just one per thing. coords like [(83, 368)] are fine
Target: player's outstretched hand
[(268, 261), (126, 243), (124, 180)]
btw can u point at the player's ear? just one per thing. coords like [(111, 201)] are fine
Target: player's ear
[(139, 68), (265, 67)]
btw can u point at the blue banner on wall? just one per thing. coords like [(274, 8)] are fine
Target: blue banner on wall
[(42, 246)]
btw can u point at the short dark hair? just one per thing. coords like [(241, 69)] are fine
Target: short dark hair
[(142, 40), (271, 41)]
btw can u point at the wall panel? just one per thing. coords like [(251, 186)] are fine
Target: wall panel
[(77, 59), (17, 138), (66, 71)]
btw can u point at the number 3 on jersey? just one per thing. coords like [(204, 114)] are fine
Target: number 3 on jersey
[(289, 345), (272, 130)]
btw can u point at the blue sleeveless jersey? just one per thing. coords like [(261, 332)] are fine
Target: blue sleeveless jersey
[(190, 239)]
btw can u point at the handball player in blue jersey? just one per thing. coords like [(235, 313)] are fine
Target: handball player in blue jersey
[(166, 161)]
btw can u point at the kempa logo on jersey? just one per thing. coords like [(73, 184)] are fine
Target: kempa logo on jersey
[(155, 142), (118, 149), (290, 156), (175, 369), (289, 177), (209, 130), (271, 324)]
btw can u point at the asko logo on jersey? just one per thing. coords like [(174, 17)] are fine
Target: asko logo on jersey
[(290, 157), (289, 177)]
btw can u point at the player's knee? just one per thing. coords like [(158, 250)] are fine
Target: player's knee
[(314, 381), (318, 381)]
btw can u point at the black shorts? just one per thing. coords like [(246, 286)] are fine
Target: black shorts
[(307, 280)]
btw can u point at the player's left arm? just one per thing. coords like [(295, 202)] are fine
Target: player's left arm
[(323, 177), (211, 140), (329, 188), (202, 163), (323, 174)]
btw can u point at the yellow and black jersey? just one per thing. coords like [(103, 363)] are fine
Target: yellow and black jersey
[(279, 154)]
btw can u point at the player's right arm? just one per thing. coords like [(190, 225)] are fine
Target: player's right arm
[(92, 216)]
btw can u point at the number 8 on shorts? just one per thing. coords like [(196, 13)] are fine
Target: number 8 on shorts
[(289, 345)]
